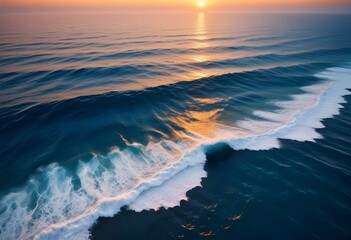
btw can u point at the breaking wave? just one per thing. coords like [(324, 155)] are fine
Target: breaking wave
[(58, 203)]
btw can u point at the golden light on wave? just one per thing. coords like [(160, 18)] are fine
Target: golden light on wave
[(200, 75), (200, 124)]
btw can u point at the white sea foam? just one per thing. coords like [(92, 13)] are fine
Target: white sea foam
[(171, 192), (56, 204)]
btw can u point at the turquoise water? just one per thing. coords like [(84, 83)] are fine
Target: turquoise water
[(167, 126)]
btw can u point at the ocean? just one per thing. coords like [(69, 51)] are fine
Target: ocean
[(175, 126)]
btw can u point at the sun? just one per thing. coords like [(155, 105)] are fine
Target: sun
[(201, 4)]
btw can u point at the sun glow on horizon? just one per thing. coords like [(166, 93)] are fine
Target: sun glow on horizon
[(211, 5)]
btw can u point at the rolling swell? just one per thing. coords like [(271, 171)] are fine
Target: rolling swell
[(71, 122), (70, 78)]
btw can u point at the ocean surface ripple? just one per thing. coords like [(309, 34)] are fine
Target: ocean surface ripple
[(97, 118)]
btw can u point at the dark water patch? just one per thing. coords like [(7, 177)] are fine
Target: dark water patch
[(250, 193), (216, 153)]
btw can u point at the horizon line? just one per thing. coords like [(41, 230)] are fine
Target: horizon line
[(160, 9)]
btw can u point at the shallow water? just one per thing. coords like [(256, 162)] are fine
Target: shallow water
[(101, 112)]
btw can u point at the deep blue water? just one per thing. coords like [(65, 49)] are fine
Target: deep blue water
[(168, 126)]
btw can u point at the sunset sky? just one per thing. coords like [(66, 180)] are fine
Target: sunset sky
[(178, 4), (170, 2)]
